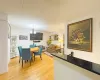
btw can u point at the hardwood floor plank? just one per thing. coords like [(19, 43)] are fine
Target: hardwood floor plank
[(39, 70)]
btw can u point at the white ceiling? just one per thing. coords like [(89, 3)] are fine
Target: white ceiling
[(23, 13), (46, 14)]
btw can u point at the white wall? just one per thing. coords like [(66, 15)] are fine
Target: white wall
[(93, 56), (3, 43), (8, 51), (16, 31), (76, 11), (73, 11)]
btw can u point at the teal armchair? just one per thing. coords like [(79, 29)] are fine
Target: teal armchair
[(33, 45), (38, 53), (20, 52), (26, 55)]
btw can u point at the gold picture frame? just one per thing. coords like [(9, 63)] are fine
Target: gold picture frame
[(79, 35)]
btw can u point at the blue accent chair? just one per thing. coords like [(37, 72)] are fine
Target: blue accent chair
[(20, 52), (26, 55), (38, 53), (33, 45)]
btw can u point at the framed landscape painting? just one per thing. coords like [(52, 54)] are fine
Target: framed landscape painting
[(79, 35)]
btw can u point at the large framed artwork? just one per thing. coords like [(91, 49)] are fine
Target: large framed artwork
[(79, 35)]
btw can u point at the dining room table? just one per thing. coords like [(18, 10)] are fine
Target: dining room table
[(35, 49), (32, 50)]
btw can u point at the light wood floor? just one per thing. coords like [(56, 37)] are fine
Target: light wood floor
[(39, 70)]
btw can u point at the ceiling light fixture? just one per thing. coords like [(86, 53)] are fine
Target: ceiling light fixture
[(33, 31)]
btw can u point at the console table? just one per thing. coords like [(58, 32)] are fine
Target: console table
[(67, 69)]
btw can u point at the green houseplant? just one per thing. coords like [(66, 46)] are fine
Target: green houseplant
[(49, 42)]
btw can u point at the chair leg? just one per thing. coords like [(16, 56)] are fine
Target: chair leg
[(22, 63), (30, 62), (34, 57), (31, 59), (41, 57), (26, 61), (19, 60)]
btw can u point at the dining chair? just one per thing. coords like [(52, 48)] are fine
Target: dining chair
[(33, 45), (26, 55), (20, 52), (38, 53)]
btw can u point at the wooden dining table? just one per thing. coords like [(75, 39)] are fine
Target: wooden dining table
[(35, 49), (32, 50)]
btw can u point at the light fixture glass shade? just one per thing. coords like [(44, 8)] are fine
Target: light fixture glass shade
[(31, 32), (34, 32)]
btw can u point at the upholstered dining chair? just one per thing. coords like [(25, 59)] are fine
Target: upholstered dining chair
[(20, 52), (38, 53), (26, 55), (33, 45)]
